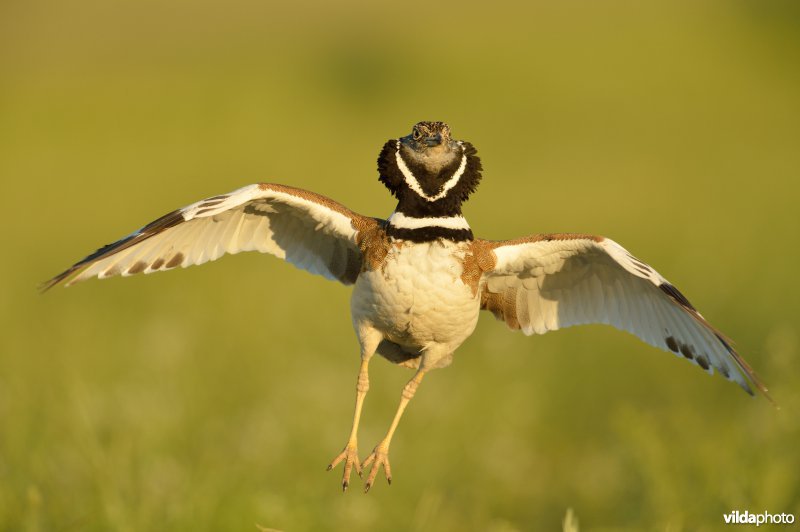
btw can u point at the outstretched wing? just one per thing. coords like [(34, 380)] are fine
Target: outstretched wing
[(308, 230), (547, 282)]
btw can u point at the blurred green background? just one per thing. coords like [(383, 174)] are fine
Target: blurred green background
[(213, 398)]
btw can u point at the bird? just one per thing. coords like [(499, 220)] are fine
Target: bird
[(420, 277)]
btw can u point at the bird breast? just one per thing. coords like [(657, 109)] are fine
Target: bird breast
[(416, 298)]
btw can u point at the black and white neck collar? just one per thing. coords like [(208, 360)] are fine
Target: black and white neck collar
[(428, 228), (423, 192), (413, 184)]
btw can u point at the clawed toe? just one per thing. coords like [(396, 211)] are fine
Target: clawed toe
[(350, 457), (379, 457)]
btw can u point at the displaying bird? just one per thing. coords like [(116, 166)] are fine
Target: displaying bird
[(420, 276)]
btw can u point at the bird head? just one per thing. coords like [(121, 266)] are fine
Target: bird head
[(428, 171), (431, 141)]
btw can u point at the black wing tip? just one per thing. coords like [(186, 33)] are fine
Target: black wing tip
[(45, 286), (170, 219), (103, 251), (676, 294), (751, 377)]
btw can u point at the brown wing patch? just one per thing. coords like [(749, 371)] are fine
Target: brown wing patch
[(175, 261), (481, 258), (374, 244), (672, 344), (138, 267), (371, 237), (316, 198), (503, 306), (544, 237), (478, 259)]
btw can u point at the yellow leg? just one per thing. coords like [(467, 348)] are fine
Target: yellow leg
[(380, 455), (350, 452)]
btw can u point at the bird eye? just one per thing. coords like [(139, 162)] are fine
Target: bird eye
[(417, 134)]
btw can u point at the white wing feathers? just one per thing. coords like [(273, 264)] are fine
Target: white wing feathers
[(548, 282), (308, 230), (537, 284)]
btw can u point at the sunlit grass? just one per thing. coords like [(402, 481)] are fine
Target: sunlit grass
[(213, 398)]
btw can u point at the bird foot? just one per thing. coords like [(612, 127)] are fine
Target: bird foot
[(350, 457), (379, 457)]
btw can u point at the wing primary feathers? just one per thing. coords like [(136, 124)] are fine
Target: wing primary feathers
[(306, 229), (726, 342), (676, 294), (629, 295), (170, 219), (749, 371)]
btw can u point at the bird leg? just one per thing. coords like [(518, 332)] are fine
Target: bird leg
[(380, 455), (350, 452)]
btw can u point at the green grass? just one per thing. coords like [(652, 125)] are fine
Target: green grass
[(213, 398)]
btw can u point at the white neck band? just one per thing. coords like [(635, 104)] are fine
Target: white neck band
[(401, 221), (413, 184)]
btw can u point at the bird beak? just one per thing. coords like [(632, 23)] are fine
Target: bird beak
[(433, 140)]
